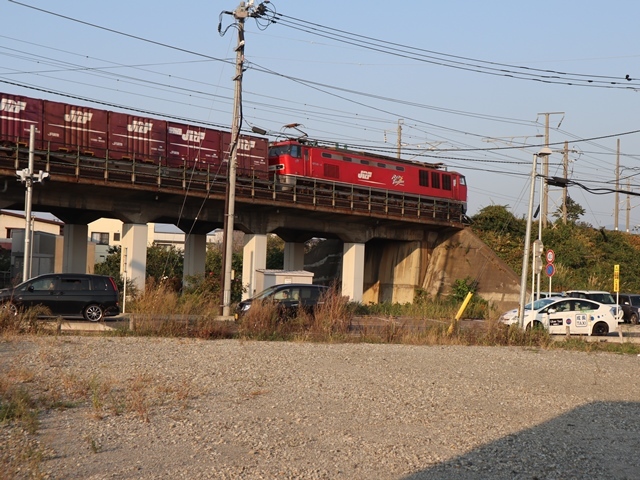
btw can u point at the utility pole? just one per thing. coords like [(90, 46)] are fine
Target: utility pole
[(544, 208), (565, 165), (400, 121), (617, 199), (628, 202), (27, 177), (240, 14)]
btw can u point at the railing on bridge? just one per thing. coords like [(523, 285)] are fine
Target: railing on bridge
[(307, 194)]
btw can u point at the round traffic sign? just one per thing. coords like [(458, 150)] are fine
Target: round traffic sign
[(551, 256), (550, 269)]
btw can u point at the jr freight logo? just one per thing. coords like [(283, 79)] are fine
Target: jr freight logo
[(77, 116), (11, 106), (244, 144), (139, 127), (364, 175), (193, 136)]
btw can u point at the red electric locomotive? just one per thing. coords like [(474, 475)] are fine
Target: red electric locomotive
[(292, 159)]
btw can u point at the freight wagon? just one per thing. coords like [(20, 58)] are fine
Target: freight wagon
[(61, 127)]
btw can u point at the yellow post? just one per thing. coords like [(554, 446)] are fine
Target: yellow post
[(461, 310)]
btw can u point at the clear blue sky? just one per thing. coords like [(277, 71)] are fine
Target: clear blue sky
[(459, 115)]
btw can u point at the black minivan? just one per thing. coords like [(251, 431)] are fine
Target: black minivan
[(289, 297), (66, 294)]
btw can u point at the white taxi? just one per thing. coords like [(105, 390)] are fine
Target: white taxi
[(582, 316)]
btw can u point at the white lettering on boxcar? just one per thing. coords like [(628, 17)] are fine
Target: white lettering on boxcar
[(139, 127), (12, 106), (77, 116), (193, 136)]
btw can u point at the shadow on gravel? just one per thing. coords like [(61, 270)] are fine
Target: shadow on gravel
[(598, 440)]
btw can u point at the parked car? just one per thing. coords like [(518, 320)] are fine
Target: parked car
[(630, 304), (511, 317), (289, 297), (599, 296), (66, 294), (581, 315)]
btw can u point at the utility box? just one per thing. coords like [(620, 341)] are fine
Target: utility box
[(268, 278)]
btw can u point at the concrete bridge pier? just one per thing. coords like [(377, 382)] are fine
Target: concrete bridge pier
[(353, 271), (293, 256), (74, 251), (134, 253), (195, 255), (254, 258)]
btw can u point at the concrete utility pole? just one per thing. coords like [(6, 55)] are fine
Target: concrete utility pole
[(240, 14), (616, 209), (565, 165), (544, 207), (400, 121)]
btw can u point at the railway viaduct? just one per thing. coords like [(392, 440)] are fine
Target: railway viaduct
[(385, 244)]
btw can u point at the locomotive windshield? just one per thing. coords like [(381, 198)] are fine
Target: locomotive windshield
[(292, 150)]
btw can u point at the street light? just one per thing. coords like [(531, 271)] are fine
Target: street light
[(544, 152)]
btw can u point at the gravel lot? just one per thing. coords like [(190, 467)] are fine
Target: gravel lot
[(145, 408)]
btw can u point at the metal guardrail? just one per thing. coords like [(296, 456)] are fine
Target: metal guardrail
[(307, 194)]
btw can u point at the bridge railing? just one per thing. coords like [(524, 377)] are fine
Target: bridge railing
[(306, 193)]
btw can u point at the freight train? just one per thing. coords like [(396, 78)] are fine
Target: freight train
[(61, 127), (291, 160), (92, 132)]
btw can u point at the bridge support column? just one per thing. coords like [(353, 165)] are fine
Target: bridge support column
[(134, 252), (74, 250), (353, 271), (254, 257), (293, 256), (195, 256)]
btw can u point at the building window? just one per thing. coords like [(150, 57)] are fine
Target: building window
[(100, 238), (116, 237)]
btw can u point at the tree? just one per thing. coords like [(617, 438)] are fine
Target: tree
[(574, 211)]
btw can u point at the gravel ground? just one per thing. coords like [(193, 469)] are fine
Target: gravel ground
[(142, 408)]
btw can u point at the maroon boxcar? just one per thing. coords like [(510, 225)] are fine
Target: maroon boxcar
[(251, 156), (71, 128), (17, 114), (137, 138), (191, 146)]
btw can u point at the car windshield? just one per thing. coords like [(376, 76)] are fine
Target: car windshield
[(265, 293), (605, 298), (538, 304)]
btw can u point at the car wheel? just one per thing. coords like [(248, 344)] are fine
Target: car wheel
[(10, 307), (600, 329), (633, 319), (536, 326), (93, 313)]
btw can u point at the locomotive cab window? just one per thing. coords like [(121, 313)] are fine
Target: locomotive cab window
[(435, 180), (423, 178)]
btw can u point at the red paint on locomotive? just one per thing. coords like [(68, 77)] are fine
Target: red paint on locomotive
[(289, 160)]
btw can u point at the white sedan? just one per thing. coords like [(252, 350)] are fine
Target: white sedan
[(580, 315)]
